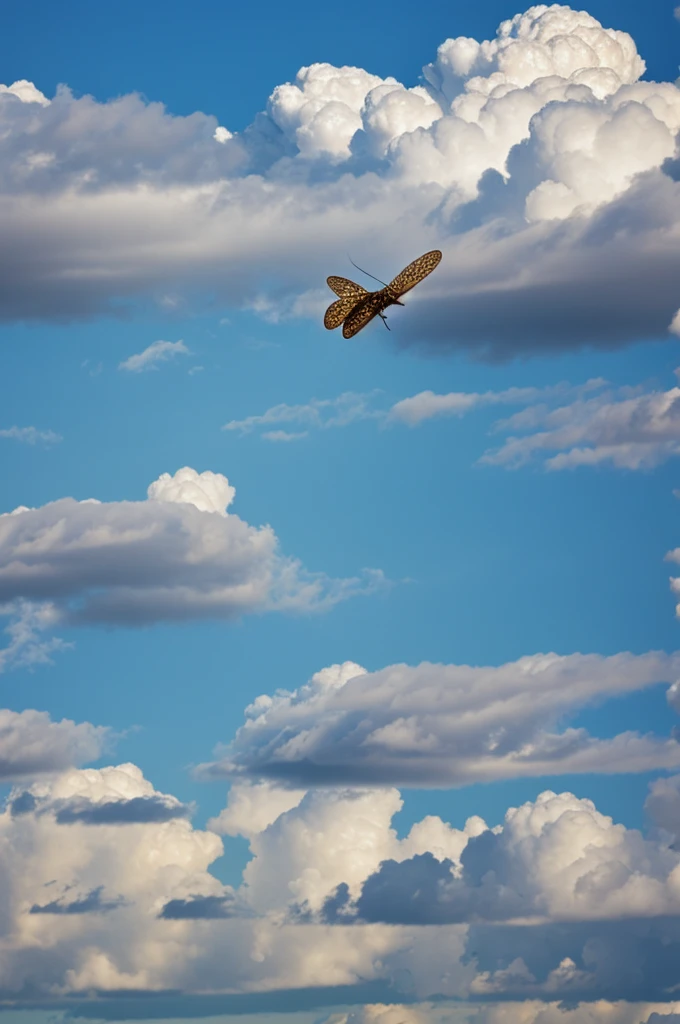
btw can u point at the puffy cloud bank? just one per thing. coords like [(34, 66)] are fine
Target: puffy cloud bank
[(176, 556), (447, 725), (538, 161), (557, 902), (557, 859)]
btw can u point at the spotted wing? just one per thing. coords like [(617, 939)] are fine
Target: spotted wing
[(343, 287), (363, 313), (415, 272), (338, 310)]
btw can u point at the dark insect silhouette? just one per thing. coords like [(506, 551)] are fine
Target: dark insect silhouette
[(356, 307)]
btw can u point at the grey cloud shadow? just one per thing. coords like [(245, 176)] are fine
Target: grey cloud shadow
[(138, 810), (92, 903), (171, 1004), (201, 908)]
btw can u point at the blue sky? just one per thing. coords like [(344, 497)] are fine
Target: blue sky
[(490, 481)]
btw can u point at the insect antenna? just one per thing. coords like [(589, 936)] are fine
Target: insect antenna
[(365, 271)]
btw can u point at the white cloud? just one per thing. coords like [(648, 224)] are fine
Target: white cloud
[(27, 646), (537, 161), (627, 430), (674, 326), (427, 405), (30, 743), (663, 804), (284, 435), (525, 1012), (179, 555), (158, 352), (31, 435), (168, 923), (557, 859), (128, 902), (446, 725), (557, 885), (317, 414), (674, 556), (587, 425)]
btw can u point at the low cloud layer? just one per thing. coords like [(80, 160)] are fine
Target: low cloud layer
[(446, 725), (538, 161), (177, 556), (554, 903)]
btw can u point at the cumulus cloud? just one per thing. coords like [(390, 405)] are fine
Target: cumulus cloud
[(158, 352), (556, 859), (137, 908), (446, 725), (31, 743), (538, 161), (31, 435), (557, 902), (179, 555), (174, 925)]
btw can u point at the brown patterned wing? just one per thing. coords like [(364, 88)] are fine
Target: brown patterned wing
[(343, 287), (338, 310), (363, 313), (414, 273)]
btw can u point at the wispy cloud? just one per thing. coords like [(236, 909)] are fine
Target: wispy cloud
[(159, 352), (317, 414), (27, 646), (284, 435), (562, 425), (427, 405), (31, 435), (624, 427), (566, 426)]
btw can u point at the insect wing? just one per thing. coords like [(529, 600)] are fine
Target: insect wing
[(345, 288), (415, 272), (363, 313), (338, 310)]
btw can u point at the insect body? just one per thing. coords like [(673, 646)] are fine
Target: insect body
[(356, 307)]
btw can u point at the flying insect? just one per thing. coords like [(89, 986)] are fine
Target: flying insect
[(356, 306)]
